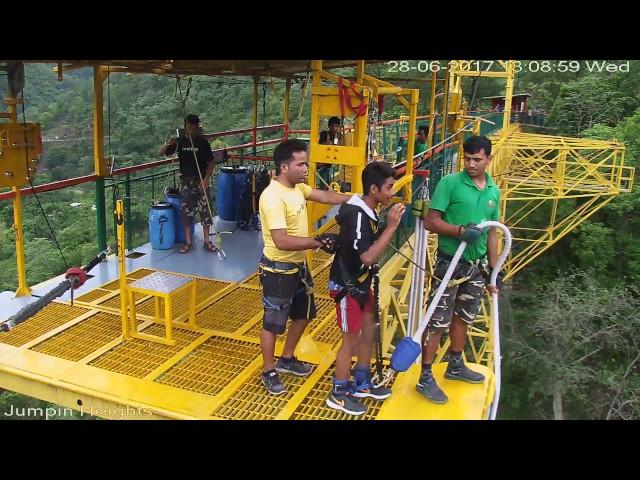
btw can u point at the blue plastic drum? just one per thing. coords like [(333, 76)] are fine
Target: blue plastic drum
[(230, 186), (174, 200), (162, 231)]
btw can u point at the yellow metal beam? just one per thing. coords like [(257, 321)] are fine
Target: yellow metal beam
[(18, 227), (287, 99), (126, 330), (100, 165), (254, 120), (23, 288), (511, 72)]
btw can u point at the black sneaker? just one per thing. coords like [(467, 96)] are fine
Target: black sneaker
[(272, 382), (293, 366), (345, 402), (428, 387), (457, 370), (367, 390)]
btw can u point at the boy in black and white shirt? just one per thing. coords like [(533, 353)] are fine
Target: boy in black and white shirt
[(350, 281)]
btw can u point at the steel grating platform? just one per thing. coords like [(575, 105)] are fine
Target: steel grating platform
[(76, 355)]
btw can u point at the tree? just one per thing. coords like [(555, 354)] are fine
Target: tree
[(590, 100), (575, 349)]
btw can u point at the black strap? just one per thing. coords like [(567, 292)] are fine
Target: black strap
[(281, 265), (376, 318), (350, 285)]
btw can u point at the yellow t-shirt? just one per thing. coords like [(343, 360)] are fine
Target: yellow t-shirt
[(282, 207)]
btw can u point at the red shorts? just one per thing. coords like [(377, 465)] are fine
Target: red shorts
[(349, 314)]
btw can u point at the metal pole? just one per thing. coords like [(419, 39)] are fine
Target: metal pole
[(100, 170), (127, 208), (287, 98), (18, 228), (506, 119), (124, 293), (256, 79), (101, 215)]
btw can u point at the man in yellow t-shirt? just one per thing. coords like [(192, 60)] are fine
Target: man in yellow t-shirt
[(285, 278)]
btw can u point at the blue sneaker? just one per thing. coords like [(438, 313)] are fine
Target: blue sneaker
[(428, 387), (344, 401), (457, 370)]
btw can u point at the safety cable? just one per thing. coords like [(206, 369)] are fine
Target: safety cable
[(26, 154)]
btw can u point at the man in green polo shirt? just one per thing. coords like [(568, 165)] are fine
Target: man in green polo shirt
[(420, 144), (460, 201)]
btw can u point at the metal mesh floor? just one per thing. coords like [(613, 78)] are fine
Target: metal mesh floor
[(138, 358), (50, 317), (80, 340), (252, 402), (211, 367), (206, 369)]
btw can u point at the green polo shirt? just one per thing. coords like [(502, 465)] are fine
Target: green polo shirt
[(462, 202), (419, 147)]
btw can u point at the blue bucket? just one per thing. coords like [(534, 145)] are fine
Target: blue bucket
[(162, 232)]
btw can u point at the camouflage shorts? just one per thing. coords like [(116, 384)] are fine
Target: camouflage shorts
[(463, 299), (193, 200)]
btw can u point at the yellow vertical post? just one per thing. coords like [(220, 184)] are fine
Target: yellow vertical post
[(458, 105), (314, 135), (360, 136), (314, 128), (287, 99), (133, 319), (432, 110), (256, 79), (23, 287), (168, 317), (413, 113), (445, 108), (360, 71), (100, 166), (18, 228), (506, 119), (122, 269), (156, 305)]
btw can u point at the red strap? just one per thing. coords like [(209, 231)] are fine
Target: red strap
[(345, 97), (79, 273)]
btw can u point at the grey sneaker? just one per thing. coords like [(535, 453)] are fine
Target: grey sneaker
[(273, 384), (293, 366), (428, 387), (457, 370), (345, 402)]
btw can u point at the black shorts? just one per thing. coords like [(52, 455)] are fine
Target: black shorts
[(284, 295), (464, 299)]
